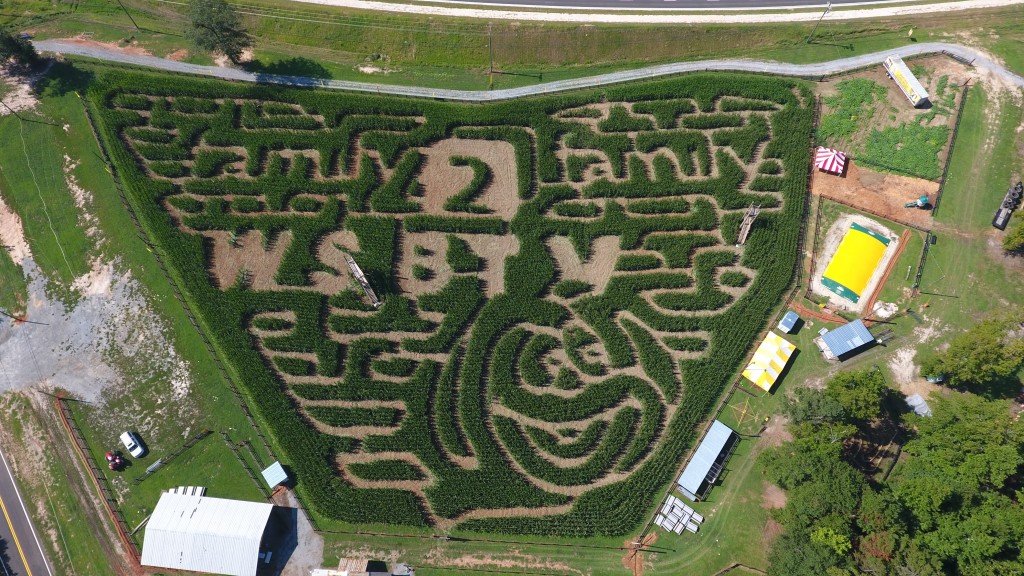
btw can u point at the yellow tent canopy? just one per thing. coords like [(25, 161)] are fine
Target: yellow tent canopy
[(769, 361)]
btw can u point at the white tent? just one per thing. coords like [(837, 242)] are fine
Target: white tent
[(769, 361), (201, 534)]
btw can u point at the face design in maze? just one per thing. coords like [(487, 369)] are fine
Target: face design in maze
[(544, 285)]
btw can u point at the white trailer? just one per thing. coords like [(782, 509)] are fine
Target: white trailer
[(906, 80)]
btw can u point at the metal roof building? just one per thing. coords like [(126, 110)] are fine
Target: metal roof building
[(788, 322), (203, 534), (847, 339), (707, 462)]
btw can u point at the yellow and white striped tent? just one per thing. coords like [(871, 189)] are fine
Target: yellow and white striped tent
[(769, 361)]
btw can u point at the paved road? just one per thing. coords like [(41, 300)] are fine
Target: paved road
[(20, 551), (808, 70), (662, 4)]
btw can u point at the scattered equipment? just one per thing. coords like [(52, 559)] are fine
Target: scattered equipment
[(675, 516), (921, 202), (1010, 203), (357, 273), (748, 222), (906, 80), (829, 160)]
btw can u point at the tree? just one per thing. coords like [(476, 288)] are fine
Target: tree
[(1013, 241), (811, 405), (985, 355), (859, 393), (214, 25), (20, 50)]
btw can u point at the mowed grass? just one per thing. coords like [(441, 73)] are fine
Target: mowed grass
[(13, 287), (457, 52), (210, 463), (966, 275), (70, 536)]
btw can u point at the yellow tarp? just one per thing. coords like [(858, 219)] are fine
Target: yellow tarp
[(855, 261), (769, 361)]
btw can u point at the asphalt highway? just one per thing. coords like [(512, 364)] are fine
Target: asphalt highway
[(20, 551), (660, 4)]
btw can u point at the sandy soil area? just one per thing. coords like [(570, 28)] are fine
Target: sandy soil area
[(878, 192), (829, 247), (12, 234), (441, 180)]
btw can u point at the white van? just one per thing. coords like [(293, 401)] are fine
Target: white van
[(133, 444)]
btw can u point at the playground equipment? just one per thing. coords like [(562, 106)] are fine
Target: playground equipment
[(921, 202), (747, 224), (357, 273)]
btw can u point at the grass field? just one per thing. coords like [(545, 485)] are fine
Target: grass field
[(964, 278), (453, 53), (46, 142)]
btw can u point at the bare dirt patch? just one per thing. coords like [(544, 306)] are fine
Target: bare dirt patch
[(776, 433), (513, 558), (771, 531), (20, 96), (441, 180), (132, 48), (597, 270), (878, 192), (309, 545), (773, 497), (12, 234), (178, 55), (634, 559)]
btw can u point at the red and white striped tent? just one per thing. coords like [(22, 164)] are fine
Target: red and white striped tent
[(830, 160)]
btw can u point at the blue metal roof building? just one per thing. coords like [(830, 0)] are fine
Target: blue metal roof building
[(847, 339), (708, 461), (788, 322)]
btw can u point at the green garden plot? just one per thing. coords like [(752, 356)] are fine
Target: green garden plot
[(562, 300)]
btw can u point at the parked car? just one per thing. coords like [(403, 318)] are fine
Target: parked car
[(132, 444)]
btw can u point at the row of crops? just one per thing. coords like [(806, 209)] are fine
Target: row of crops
[(495, 398)]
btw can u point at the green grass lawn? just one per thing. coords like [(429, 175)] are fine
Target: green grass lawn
[(210, 463), (48, 491), (13, 288), (294, 38)]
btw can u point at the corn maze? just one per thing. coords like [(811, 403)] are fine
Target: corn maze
[(562, 298)]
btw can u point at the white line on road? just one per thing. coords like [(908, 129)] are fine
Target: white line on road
[(24, 510)]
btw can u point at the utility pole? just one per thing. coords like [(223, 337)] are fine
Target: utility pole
[(128, 15), (490, 55), (815, 29)]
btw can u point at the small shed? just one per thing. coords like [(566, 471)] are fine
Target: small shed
[(919, 405), (846, 341), (708, 461), (275, 474), (788, 322)]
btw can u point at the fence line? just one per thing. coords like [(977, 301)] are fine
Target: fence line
[(165, 460), (98, 478), (248, 469), (952, 143)]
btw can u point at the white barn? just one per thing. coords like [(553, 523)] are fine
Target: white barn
[(202, 534)]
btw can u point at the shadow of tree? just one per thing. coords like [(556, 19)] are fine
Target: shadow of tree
[(63, 78), (295, 66)]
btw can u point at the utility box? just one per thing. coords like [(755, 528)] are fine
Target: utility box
[(906, 80)]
